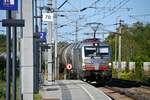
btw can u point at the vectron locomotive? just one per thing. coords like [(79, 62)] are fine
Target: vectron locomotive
[(91, 60)]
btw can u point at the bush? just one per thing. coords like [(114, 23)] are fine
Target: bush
[(2, 68), (126, 75), (2, 93), (2, 90), (114, 73)]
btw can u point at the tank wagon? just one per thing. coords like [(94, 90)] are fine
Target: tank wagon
[(91, 60)]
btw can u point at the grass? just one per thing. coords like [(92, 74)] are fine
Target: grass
[(37, 96), (3, 90)]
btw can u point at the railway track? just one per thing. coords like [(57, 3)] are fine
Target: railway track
[(126, 90), (115, 95)]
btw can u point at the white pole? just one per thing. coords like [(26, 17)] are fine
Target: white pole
[(50, 44), (55, 27), (119, 48), (27, 64)]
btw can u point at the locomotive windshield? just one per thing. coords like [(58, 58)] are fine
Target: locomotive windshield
[(104, 51), (90, 51), (96, 51)]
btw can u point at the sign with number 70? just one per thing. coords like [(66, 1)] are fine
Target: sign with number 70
[(47, 17)]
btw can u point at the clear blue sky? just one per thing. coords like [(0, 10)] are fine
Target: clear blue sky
[(113, 11)]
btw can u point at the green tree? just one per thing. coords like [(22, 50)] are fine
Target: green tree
[(135, 42), (2, 59), (2, 43), (135, 46)]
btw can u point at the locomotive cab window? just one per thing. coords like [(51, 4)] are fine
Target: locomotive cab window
[(104, 51), (90, 51)]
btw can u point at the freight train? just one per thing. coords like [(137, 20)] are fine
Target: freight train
[(90, 60)]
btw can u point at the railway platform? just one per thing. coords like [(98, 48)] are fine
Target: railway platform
[(71, 90)]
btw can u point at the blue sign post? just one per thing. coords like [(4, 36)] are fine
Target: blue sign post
[(8, 4)]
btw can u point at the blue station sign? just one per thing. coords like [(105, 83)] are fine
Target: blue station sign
[(43, 35), (8, 4)]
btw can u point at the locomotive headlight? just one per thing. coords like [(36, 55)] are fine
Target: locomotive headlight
[(95, 44), (109, 63)]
